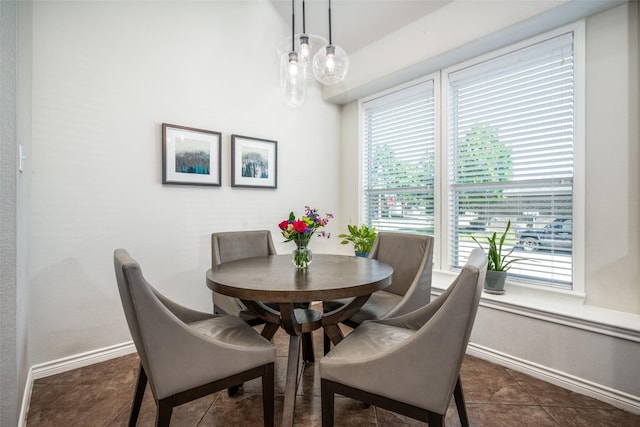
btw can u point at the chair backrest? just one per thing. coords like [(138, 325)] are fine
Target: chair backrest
[(124, 265), (229, 246), (155, 322), (411, 256), (232, 245), (141, 306), (465, 293), (452, 323)]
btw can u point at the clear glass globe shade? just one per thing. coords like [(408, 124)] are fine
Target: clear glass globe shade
[(292, 84), (306, 45), (330, 65)]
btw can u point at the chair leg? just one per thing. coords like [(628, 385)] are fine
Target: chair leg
[(435, 420), (327, 344), (327, 402), (234, 390), (268, 395), (307, 347), (462, 408), (138, 394), (270, 330), (163, 412)]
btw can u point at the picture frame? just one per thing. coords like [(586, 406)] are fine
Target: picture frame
[(191, 156), (254, 162)]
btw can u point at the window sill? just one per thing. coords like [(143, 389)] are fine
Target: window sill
[(552, 305)]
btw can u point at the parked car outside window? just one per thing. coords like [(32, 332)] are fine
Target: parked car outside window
[(557, 235)]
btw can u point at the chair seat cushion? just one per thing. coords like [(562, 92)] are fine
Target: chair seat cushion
[(347, 361), (236, 333), (378, 304), (366, 341), (371, 348)]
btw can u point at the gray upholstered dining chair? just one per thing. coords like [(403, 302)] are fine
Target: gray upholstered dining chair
[(230, 246), (233, 245), (411, 256), (186, 354), (409, 364)]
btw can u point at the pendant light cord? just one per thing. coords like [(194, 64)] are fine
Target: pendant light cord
[(304, 23), (330, 23), (293, 26)]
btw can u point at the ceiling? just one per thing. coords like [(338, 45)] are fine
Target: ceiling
[(355, 23)]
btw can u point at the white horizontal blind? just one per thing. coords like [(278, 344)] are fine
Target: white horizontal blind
[(398, 156), (511, 158)]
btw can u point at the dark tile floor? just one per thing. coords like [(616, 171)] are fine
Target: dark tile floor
[(100, 395)]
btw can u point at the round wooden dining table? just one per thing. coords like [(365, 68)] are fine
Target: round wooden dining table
[(275, 279)]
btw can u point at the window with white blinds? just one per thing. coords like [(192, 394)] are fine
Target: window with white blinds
[(398, 155), (511, 138)]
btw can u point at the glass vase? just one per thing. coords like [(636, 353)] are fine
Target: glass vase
[(302, 255)]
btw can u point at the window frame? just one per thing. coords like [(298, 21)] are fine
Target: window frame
[(435, 77), (441, 151), (578, 263)]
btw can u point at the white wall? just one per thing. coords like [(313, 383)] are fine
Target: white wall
[(105, 76), (10, 328), (350, 171), (23, 195), (613, 158)]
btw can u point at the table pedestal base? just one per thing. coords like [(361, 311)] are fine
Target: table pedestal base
[(292, 381), (299, 323)]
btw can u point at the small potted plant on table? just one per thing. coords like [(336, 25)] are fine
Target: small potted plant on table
[(361, 238), (497, 263)]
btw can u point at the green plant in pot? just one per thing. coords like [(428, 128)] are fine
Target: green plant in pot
[(361, 238), (498, 265)]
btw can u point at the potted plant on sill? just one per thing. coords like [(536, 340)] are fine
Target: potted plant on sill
[(498, 265), (361, 238)]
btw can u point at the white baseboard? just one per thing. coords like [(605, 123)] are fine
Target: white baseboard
[(608, 395), (76, 361), (65, 364), (26, 398)]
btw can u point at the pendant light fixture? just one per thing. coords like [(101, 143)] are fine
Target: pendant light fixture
[(331, 63), (292, 83), (306, 45), (306, 58)]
